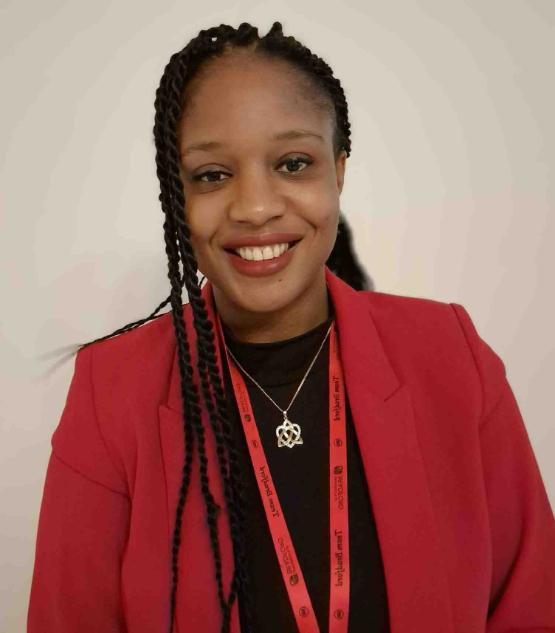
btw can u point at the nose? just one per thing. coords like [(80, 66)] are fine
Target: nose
[(255, 197)]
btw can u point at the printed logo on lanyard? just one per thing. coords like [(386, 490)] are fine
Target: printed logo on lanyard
[(339, 507)]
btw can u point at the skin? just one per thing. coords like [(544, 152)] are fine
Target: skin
[(242, 102)]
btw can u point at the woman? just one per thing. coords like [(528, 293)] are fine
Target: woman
[(292, 451)]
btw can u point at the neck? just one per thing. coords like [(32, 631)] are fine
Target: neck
[(308, 311)]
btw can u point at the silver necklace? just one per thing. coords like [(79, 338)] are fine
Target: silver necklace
[(288, 433)]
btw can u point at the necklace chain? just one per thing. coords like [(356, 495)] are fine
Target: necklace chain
[(284, 411)]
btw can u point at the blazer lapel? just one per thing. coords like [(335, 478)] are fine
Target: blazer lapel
[(416, 579)]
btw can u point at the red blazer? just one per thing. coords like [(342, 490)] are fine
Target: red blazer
[(466, 530)]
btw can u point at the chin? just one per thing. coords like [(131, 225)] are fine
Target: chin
[(263, 299)]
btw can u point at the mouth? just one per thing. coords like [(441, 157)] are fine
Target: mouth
[(262, 261), (259, 254)]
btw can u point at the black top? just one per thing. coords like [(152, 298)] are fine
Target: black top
[(301, 477)]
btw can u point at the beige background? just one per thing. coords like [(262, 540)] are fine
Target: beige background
[(450, 190)]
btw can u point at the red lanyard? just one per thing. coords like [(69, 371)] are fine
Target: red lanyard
[(339, 513)]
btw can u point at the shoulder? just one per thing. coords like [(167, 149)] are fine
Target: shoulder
[(396, 308), (438, 336), (148, 345), (115, 386), (129, 376), (416, 321), (134, 366)]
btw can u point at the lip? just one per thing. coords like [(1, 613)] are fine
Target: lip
[(262, 267), (262, 240)]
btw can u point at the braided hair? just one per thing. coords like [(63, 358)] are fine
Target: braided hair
[(181, 68)]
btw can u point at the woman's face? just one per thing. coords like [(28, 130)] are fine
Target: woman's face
[(258, 176)]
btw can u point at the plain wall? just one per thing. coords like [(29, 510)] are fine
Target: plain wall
[(449, 190)]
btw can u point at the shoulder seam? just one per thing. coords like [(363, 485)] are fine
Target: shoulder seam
[(454, 306)]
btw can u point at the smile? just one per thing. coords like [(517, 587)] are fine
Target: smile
[(258, 253), (261, 260)]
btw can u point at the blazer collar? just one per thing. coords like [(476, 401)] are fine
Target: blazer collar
[(384, 421)]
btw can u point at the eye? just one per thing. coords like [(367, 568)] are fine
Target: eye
[(199, 177), (295, 161)]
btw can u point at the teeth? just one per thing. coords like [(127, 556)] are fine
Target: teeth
[(255, 253)]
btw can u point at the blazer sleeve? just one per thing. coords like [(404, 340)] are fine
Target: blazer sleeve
[(522, 596), (83, 523)]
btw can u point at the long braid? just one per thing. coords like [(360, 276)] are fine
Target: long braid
[(185, 366), (173, 204), (180, 69), (190, 400), (220, 419), (210, 379), (207, 360)]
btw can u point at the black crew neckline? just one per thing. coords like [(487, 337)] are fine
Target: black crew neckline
[(282, 362)]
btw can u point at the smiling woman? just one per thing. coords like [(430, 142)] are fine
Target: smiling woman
[(261, 157), (289, 450)]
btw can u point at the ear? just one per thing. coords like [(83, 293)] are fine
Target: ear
[(340, 164)]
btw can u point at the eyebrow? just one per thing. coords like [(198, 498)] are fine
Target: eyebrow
[(287, 135)]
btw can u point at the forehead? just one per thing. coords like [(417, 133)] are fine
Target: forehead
[(240, 95)]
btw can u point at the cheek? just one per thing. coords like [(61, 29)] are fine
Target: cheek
[(200, 235), (321, 208), (202, 224)]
